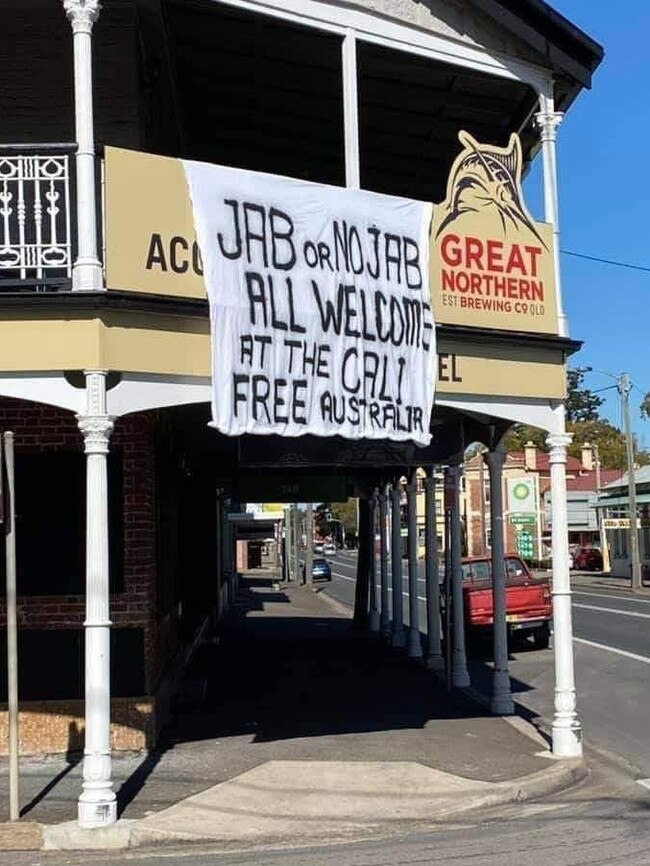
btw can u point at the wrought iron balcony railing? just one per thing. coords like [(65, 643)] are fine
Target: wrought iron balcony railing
[(36, 215)]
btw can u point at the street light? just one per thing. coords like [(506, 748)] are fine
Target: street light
[(624, 386)]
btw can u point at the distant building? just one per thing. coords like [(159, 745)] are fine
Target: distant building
[(613, 503), (532, 529)]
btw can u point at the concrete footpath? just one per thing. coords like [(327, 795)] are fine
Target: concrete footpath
[(294, 728)]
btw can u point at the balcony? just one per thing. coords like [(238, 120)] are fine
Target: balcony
[(37, 211)]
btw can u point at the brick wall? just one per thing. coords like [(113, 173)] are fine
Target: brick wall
[(37, 429)]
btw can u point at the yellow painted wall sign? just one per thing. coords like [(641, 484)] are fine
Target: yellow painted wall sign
[(492, 265)]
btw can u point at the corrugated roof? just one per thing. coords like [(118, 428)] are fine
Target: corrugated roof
[(641, 476), (587, 480)]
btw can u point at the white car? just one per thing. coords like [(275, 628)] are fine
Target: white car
[(329, 548)]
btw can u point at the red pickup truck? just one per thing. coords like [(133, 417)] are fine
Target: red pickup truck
[(528, 599)]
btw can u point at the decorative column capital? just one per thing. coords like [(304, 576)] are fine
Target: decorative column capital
[(547, 123), (495, 459), (82, 14), (429, 483), (558, 444), (96, 431)]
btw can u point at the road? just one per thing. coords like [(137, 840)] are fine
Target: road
[(612, 657), (606, 821)]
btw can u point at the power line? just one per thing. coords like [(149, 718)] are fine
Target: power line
[(602, 261)]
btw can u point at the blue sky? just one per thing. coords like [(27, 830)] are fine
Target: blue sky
[(604, 189)]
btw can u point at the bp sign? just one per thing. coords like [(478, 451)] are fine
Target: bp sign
[(522, 498)]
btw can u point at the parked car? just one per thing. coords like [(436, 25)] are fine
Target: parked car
[(588, 559), (320, 570), (528, 600), (318, 547), (329, 548)]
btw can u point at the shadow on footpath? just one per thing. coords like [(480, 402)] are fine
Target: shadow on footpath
[(273, 677)]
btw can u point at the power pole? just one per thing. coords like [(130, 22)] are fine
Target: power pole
[(481, 484), (624, 387), (309, 545), (604, 546)]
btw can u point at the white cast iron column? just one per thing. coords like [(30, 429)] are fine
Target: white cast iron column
[(384, 620), (547, 121), (459, 675), (373, 614), (399, 632), (87, 269), (414, 640), (97, 804), (567, 734), (501, 698), (434, 659)]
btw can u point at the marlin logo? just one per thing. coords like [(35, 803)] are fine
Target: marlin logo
[(484, 177)]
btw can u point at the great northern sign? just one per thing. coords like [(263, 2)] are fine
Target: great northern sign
[(492, 265)]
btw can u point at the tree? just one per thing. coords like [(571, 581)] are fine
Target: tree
[(581, 403), (521, 434), (346, 512), (610, 441), (645, 406), (586, 425)]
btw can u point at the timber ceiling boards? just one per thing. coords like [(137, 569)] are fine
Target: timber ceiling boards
[(260, 93), (410, 112)]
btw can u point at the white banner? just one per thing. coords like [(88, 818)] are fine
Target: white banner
[(319, 304)]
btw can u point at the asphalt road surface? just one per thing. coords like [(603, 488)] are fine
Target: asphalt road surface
[(612, 663)]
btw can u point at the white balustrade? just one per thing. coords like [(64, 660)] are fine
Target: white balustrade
[(35, 236)]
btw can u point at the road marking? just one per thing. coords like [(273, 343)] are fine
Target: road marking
[(634, 613), (611, 649), (612, 597), (344, 577), (645, 783), (378, 585)]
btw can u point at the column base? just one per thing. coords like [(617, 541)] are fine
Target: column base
[(373, 620), (414, 644), (567, 740), (399, 638), (384, 626), (87, 276), (95, 813), (435, 663), (502, 705), (459, 678)]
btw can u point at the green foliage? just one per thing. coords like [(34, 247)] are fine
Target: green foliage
[(346, 512), (581, 403), (586, 425), (520, 434), (645, 406), (610, 441)]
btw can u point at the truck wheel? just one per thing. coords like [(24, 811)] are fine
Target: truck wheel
[(542, 637)]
